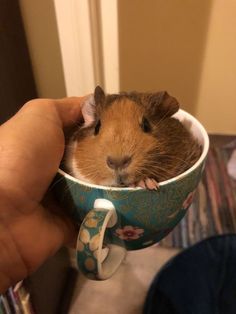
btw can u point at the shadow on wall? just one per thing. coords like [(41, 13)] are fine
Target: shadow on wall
[(162, 46), (40, 25)]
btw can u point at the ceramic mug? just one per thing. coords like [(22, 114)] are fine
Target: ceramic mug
[(113, 220)]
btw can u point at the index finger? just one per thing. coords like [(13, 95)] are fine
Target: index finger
[(64, 112)]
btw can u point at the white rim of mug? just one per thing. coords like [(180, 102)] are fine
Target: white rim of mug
[(163, 183)]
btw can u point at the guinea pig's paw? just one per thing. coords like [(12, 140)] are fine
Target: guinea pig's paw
[(148, 183)]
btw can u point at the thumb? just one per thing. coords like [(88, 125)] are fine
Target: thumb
[(69, 109)]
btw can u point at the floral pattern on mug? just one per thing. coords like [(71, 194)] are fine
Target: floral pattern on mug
[(129, 233), (94, 242), (84, 236), (91, 223), (189, 199)]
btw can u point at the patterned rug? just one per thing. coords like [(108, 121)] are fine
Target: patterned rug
[(213, 210)]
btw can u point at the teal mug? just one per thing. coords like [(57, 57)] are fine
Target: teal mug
[(115, 220)]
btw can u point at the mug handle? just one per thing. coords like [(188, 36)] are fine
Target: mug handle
[(94, 259)]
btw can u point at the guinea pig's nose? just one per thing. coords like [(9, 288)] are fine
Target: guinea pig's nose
[(115, 163)]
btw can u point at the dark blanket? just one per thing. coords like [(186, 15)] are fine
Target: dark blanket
[(200, 280)]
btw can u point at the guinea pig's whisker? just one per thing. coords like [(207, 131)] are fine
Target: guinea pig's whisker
[(58, 181), (163, 118), (55, 183), (156, 171), (176, 158), (160, 174), (160, 171), (160, 168), (189, 157), (75, 122), (69, 146), (63, 163), (88, 169), (172, 158), (68, 187), (152, 156)]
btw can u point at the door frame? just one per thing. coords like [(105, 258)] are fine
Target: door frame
[(88, 35)]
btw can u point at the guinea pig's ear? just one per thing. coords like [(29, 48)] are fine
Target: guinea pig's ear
[(89, 111), (163, 105), (92, 105), (99, 96)]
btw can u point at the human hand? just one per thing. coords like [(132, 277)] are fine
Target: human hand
[(31, 148)]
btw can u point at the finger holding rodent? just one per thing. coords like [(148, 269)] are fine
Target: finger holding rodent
[(69, 109), (33, 141), (64, 111)]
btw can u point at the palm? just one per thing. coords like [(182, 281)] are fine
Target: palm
[(32, 145)]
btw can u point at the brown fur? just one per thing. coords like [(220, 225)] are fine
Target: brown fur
[(164, 152)]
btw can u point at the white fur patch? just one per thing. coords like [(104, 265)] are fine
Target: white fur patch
[(88, 111), (71, 163), (72, 166)]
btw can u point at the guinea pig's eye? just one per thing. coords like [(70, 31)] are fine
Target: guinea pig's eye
[(97, 127), (145, 125)]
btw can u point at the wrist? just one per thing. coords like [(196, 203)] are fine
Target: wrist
[(12, 265)]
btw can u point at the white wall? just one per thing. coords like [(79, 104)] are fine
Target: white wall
[(216, 106), (188, 48), (41, 30), (74, 30)]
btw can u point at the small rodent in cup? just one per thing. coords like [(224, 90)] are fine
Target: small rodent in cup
[(130, 139)]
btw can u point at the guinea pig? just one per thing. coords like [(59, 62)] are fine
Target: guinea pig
[(130, 139)]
